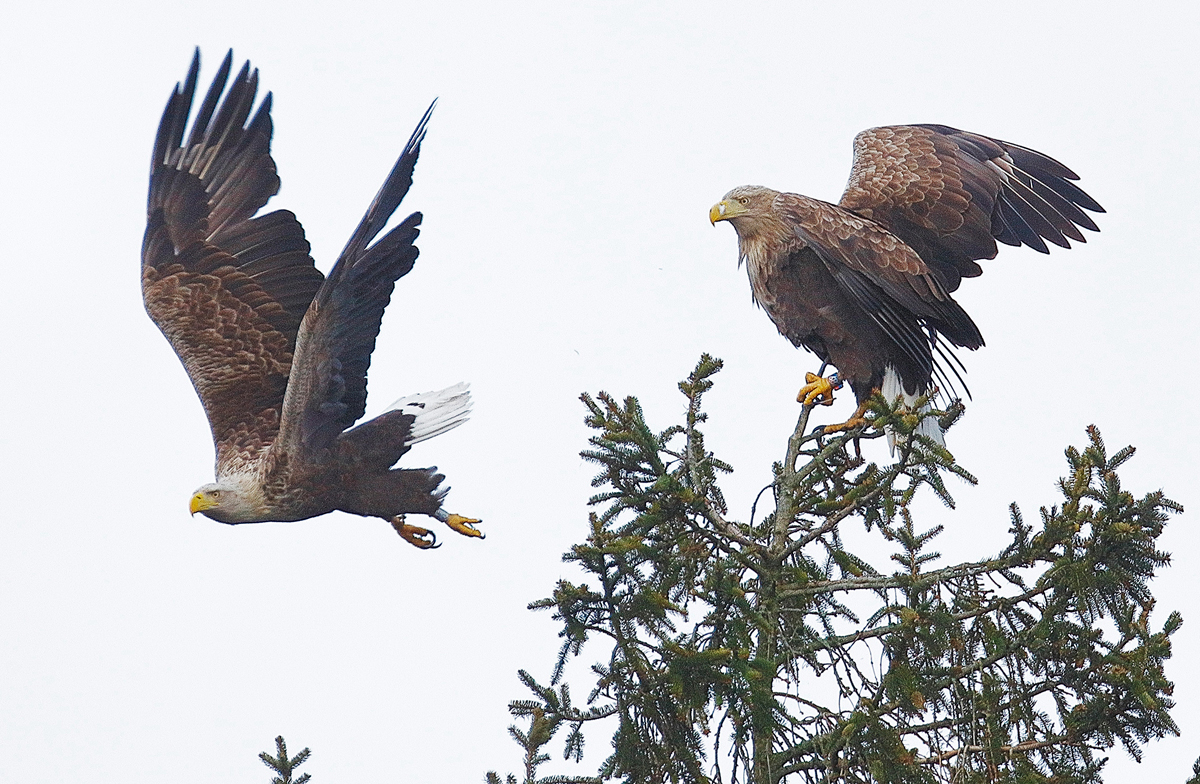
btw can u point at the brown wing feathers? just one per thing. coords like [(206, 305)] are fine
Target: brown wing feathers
[(951, 195), (864, 259), (226, 289)]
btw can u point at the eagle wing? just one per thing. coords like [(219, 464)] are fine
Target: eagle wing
[(227, 289), (950, 195), (328, 388), (884, 277)]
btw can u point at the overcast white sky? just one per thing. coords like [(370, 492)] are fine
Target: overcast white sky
[(565, 183)]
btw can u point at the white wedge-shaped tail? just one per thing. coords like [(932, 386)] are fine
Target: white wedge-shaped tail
[(892, 389), (435, 412)]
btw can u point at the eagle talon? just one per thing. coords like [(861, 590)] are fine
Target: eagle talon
[(817, 390), (856, 420), (849, 424), (463, 525), (415, 534)]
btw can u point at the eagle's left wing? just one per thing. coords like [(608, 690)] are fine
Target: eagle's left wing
[(951, 195), (327, 392)]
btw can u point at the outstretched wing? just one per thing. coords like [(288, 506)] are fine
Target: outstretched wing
[(885, 278), (227, 289), (328, 388), (950, 195)]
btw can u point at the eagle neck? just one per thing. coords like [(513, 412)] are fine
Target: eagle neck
[(761, 246)]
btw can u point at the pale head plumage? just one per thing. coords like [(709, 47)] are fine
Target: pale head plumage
[(747, 207), (236, 499), (751, 211)]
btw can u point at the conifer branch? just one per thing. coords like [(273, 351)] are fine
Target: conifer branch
[(284, 765)]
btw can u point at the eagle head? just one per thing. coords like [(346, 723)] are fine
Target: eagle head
[(748, 208), (225, 502)]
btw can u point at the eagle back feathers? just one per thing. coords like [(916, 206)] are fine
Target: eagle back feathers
[(877, 269)]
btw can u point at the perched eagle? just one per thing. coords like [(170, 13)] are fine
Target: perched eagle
[(865, 284), (279, 353)]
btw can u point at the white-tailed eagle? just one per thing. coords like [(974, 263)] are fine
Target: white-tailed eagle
[(865, 284), (278, 352)]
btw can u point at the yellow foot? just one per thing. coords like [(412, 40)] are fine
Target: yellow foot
[(414, 534), (849, 424), (856, 420), (464, 525), (816, 390)]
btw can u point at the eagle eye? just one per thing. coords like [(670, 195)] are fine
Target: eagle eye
[(743, 200), (216, 493)]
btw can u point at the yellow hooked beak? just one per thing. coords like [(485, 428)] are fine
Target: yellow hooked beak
[(724, 210), (200, 502)]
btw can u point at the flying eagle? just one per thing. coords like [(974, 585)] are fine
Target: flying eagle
[(277, 352), (865, 284)]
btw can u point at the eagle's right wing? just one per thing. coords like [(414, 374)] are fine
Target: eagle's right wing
[(227, 289)]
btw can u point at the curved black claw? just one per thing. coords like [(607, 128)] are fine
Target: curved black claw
[(421, 538)]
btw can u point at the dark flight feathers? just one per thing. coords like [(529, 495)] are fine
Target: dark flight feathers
[(344, 321), (949, 195)]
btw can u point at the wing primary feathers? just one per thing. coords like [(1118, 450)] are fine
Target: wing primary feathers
[(1032, 215), (1012, 216), (1002, 230), (882, 311), (1034, 161), (1072, 192), (908, 331), (174, 119), (1050, 212), (1053, 174), (200, 124), (393, 191), (234, 104), (950, 345), (230, 121), (951, 360), (261, 124), (343, 324), (1064, 206)]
